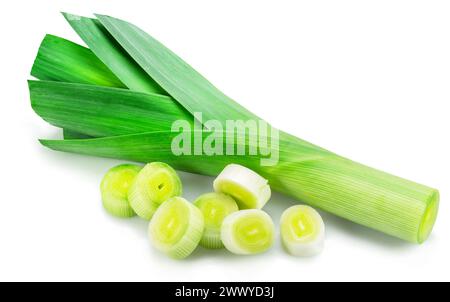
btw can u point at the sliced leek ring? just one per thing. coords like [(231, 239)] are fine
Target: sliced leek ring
[(176, 228), (302, 231), (214, 207), (155, 183), (248, 232), (114, 189), (248, 188)]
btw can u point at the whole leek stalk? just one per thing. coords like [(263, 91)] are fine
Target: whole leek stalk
[(309, 173)]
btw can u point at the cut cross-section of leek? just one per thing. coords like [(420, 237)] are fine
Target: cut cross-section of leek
[(176, 228), (247, 187), (302, 231), (214, 207), (248, 232), (114, 189), (155, 183)]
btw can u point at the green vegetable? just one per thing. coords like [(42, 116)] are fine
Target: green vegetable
[(114, 189), (250, 190), (312, 174), (176, 228), (302, 231), (214, 207), (155, 183), (248, 232)]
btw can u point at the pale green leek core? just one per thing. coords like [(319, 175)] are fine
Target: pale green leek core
[(114, 189), (302, 231), (176, 228), (214, 207), (248, 232), (307, 172), (155, 183)]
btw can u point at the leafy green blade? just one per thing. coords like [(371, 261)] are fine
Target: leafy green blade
[(103, 111), (147, 147), (59, 67), (59, 59), (70, 134), (112, 55), (175, 76)]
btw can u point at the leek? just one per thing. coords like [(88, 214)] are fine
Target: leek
[(250, 190), (155, 183), (214, 207), (248, 232), (114, 189), (307, 172), (176, 228), (302, 231)]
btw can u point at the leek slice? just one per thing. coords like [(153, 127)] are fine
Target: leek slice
[(176, 228), (114, 189), (249, 189), (302, 231), (111, 54), (155, 183), (214, 207), (248, 232)]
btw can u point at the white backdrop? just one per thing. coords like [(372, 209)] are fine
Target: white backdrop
[(369, 80)]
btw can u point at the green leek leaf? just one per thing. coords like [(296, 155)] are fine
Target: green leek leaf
[(181, 81), (103, 111), (59, 59), (110, 52)]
